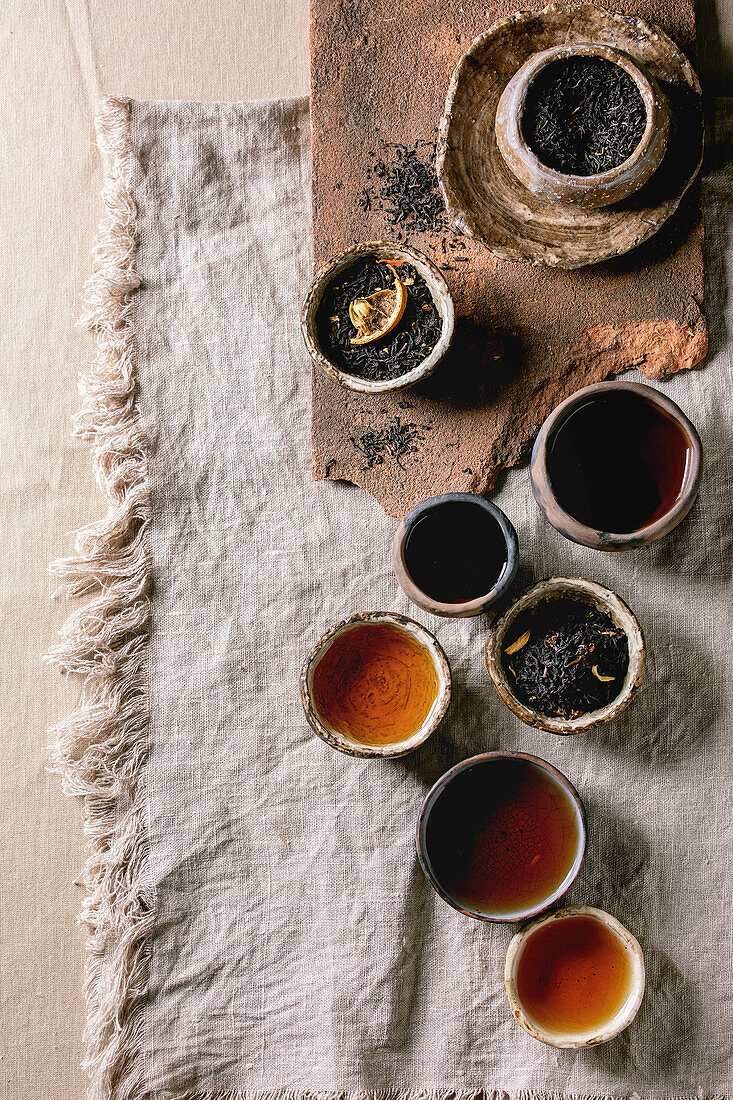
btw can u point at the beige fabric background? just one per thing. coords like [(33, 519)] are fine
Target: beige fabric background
[(56, 59)]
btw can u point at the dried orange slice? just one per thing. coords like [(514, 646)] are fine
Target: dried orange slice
[(378, 314)]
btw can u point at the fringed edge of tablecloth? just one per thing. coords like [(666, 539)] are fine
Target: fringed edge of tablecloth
[(100, 749), (420, 1094)]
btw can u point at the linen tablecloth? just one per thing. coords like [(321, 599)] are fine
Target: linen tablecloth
[(258, 922)]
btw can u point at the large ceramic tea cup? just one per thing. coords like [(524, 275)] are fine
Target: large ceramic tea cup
[(601, 188), (387, 253), (514, 620), (574, 978), (606, 456), (454, 540), (376, 685), (502, 836)]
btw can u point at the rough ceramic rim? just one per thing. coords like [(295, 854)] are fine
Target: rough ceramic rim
[(579, 532), (435, 716), (437, 789), (463, 218), (653, 139), (587, 592), (470, 607), (439, 292), (623, 1017)]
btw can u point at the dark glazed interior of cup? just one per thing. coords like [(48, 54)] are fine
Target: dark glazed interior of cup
[(455, 554), (502, 836)]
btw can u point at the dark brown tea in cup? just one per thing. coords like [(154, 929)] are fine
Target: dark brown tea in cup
[(456, 552), (617, 462), (502, 837)]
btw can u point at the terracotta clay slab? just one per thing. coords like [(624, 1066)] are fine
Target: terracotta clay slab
[(526, 336)]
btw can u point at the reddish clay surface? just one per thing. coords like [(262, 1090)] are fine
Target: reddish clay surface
[(526, 336)]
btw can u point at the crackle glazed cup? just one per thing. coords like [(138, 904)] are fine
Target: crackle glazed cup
[(557, 963), (502, 836)]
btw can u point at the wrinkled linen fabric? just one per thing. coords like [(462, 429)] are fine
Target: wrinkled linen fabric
[(297, 945)]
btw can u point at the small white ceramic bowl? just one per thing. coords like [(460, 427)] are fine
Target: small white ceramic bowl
[(341, 741), (589, 592), (395, 253), (593, 1036)]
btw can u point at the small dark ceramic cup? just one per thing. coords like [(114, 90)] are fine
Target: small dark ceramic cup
[(483, 760), (470, 607), (598, 539)]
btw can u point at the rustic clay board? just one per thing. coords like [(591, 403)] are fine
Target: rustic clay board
[(380, 73)]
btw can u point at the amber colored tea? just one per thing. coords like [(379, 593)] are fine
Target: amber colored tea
[(375, 684), (618, 462), (502, 837), (574, 975)]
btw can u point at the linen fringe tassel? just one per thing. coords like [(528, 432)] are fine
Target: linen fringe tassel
[(100, 749)]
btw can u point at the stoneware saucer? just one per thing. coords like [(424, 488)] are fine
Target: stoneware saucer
[(395, 253), (338, 740), (576, 1040), (490, 202), (579, 532), (470, 607), (598, 596), (602, 188), (483, 759)]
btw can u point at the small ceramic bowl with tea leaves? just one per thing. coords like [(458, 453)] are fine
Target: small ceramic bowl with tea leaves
[(566, 655), (378, 318)]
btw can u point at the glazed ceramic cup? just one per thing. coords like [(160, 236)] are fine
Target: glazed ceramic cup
[(487, 760), (597, 539), (598, 596), (470, 607), (603, 188), (341, 741), (581, 1038), (394, 253)]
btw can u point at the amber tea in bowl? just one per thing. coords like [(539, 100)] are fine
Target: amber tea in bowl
[(376, 685), (574, 978), (501, 836)]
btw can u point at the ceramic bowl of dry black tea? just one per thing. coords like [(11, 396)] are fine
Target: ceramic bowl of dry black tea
[(616, 466), (582, 124), (567, 655), (378, 318)]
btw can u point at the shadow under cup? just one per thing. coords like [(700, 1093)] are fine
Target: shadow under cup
[(502, 836)]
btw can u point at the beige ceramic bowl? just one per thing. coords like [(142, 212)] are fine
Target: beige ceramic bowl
[(382, 251), (600, 597), (341, 741), (603, 188), (578, 1039)]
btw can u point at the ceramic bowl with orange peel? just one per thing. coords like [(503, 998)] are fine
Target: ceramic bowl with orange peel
[(400, 328)]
